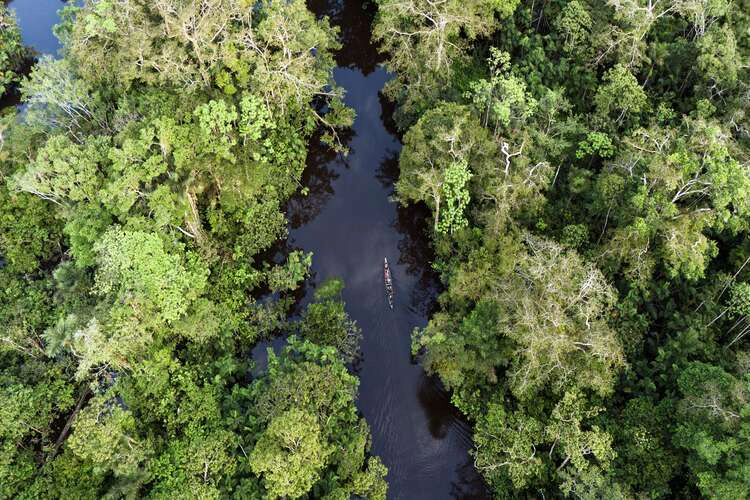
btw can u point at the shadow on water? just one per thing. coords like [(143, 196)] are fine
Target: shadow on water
[(415, 253), (11, 98), (318, 178), (353, 18)]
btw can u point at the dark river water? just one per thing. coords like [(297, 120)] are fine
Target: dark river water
[(350, 224)]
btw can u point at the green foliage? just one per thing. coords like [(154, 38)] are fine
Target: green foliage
[(739, 300), (457, 197), (135, 270), (311, 438), (506, 447), (325, 321), (549, 323), (440, 153), (645, 460), (620, 97), (426, 42), (503, 100), (289, 276), (577, 444), (104, 436), (216, 123), (29, 232), (289, 455), (589, 189), (59, 98), (121, 46), (64, 171), (575, 235), (596, 143), (574, 23), (12, 51), (140, 193), (713, 424), (594, 321), (32, 397)]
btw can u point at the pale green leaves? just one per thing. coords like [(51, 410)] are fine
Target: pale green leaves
[(714, 427), (216, 121), (310, 437), (255, 118), (288, 72), (621, 98), (119, 43), (429, 32), (59, 98), (110, 346), (144, 290), (196, 45), (502, 102), (509, 446), (64, 171), (442, 152), (290, 454), (596, 143), (425, 40), (506, 446), (575, 24), (134, 167), (326, 322), (682, 184), (455, 187), (100, 21), (574, 443), (739, 300), (104, 434), (687, 251), (558, 308), (719, 58), (135, 269)]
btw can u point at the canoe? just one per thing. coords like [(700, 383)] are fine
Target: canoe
[(388, 282)]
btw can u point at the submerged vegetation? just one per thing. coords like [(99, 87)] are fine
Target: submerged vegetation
[(141, 193), (588, 169)]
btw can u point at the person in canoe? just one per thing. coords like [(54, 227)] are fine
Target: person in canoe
[(388, 282)]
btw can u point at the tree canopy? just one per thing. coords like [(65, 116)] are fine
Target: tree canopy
[(142, 189), (587, 167)]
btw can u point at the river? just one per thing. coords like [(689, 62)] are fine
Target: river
[(350, 224)]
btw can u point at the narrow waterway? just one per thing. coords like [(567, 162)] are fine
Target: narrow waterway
[(350, 223)]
